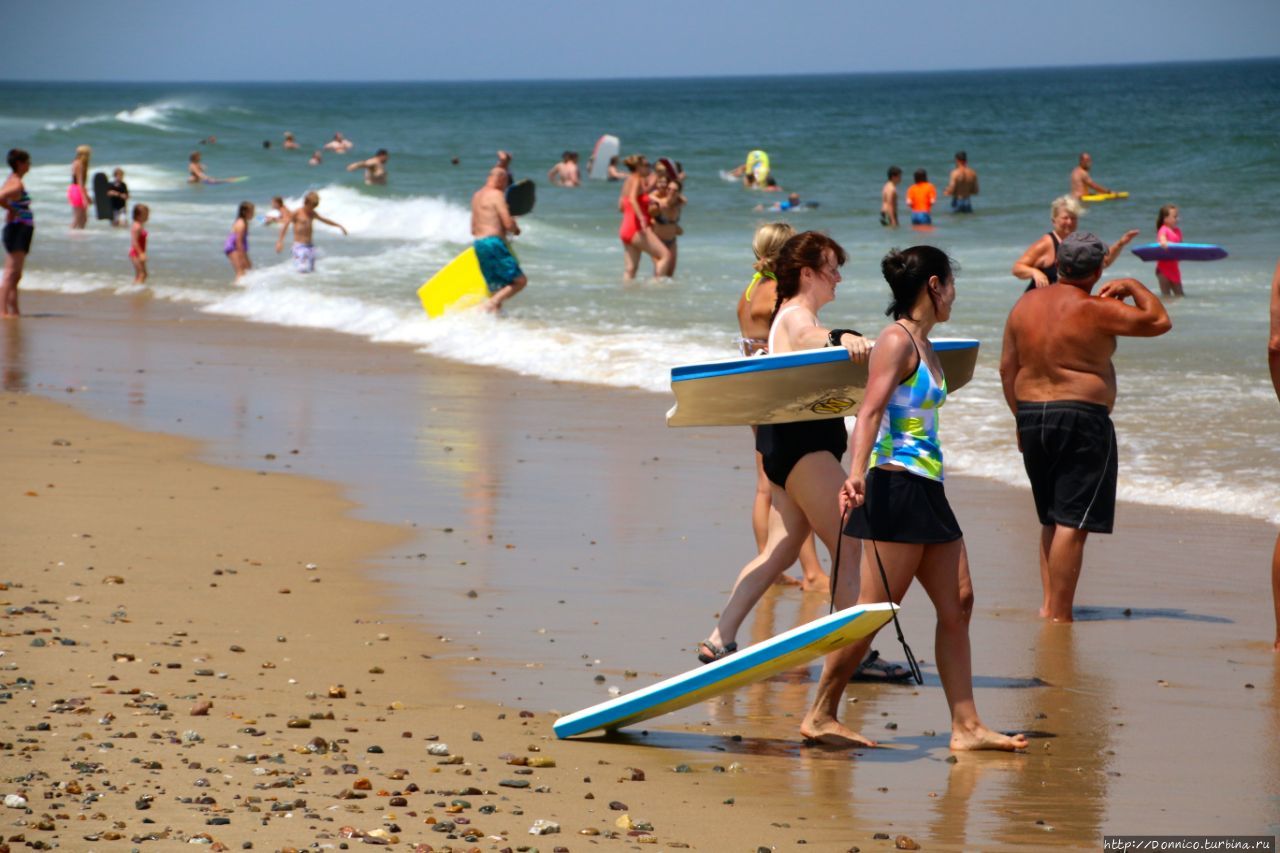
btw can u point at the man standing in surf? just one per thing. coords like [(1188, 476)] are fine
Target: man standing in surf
[(1060, 384), (491, 224)]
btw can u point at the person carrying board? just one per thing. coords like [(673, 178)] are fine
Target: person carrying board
[(491, 224)]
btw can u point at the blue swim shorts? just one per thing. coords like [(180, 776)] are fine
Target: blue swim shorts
[(962, 205), (498, 265), (921, 219)]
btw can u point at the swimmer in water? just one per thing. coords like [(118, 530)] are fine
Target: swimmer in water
[(962, 185), (565, 173), (236, 248), (920, 198), (889, 198), (375, 168)]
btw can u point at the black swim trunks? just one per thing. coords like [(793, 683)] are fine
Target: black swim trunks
[(17, 237), (783, 445), (1069, 451), (904, 507)]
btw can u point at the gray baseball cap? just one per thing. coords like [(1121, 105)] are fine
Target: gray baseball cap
[(1080, 255)]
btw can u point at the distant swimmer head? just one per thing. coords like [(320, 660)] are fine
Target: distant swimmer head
[(771, 181), (809, 251), (1168, 215), (18, 157), (962, 157), (455, 162), (635, 162), (894, 172), (83, 152), (1085, 160), (1080, 257), (768, 242), (118, 174), (245, 211), (382, 154), (919, 276), (1065, 211), (794, 198), (277, 202), (195, 157), (141, 213), (921, 176), (311, 199), (266, 143)]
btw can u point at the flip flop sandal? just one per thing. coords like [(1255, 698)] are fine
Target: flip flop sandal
[(875, 669), (709, 652)]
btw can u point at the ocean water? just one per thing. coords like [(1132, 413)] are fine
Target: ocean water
[(1196, 415)]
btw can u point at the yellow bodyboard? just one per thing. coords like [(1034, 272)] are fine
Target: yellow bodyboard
[(458, 286), (1104, 196)]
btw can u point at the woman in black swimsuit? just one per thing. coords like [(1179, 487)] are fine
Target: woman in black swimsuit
[(801, 459), (1039, 263)]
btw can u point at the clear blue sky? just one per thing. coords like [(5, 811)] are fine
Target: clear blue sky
[(174, 40)]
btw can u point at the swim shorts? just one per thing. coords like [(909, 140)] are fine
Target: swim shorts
[(304, 257), (904, 507), (1069, 451), (921, 219), (17, 237), (497, 264), (962, 205), (75, 196)]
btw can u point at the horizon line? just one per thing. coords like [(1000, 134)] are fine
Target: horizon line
[(664, 77)]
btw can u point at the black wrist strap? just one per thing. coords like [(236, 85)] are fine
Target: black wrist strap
[(834, 336)]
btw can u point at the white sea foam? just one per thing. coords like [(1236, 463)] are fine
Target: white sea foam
[(365, 216)]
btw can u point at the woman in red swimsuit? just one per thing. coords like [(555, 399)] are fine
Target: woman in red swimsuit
[(636, 231)]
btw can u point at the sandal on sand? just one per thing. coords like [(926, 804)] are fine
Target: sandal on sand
[(874, 669), (709, 652)]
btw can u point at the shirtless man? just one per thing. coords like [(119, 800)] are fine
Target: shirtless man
[(289, 142), (339, 144), (1081, 183), (963, 185), (303, 219), (1060, 385), (1273, 362), (565, 173), (375, 168), (889, 198), (491, 223)]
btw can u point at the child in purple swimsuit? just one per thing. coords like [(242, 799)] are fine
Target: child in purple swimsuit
[(237, 246)]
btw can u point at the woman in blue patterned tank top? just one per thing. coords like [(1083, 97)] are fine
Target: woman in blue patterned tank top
[(897, 505)]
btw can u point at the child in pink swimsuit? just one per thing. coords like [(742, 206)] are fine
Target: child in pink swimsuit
[(1167, 231), (138, 243)]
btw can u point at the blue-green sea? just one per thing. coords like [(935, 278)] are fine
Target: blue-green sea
[(1196, 415)]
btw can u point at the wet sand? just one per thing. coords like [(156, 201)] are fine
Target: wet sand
[(596, 542)]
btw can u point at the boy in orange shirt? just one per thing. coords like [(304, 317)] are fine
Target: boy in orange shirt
[(920, 198)]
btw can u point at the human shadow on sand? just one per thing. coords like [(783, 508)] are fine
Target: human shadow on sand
[(1107, 614)]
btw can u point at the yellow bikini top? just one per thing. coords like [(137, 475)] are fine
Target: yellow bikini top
[(755, 279)]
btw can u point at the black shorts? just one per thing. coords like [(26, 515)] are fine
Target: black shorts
[(904, 507), (17, 236), (783, 445), (1069, 450)]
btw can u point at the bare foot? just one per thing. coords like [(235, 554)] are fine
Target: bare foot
[(828, 731), (818, 583), (787, 580), (981, 737)]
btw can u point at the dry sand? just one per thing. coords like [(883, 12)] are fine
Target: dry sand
[(1162, 719)]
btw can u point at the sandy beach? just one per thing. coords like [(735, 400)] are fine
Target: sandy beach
[(254, 576)]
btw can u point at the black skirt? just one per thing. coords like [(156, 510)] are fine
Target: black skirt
[(903, 507)]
